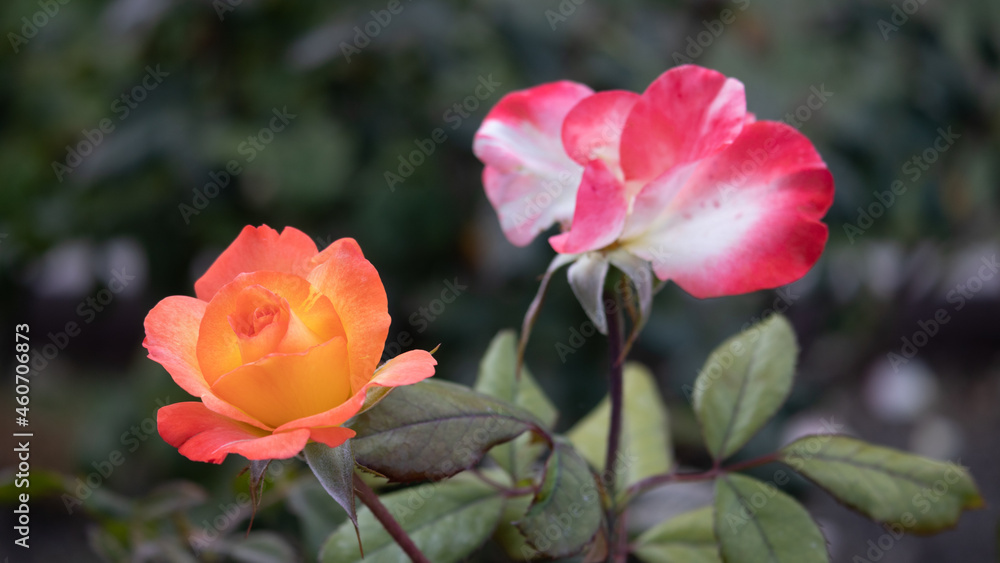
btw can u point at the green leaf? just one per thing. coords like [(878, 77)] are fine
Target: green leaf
[(743, 383), (685, 538), (918, 494), (757, 523), (334, 467), (433, 430), (566, 512), (645, 448), (447, 520), (498, 378)]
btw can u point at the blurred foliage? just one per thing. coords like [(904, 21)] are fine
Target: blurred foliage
[(222, 78)]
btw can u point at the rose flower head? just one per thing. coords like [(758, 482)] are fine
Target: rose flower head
[(281, 344), (680, 182)]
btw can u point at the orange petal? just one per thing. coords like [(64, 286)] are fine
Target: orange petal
[(218, 344), (255, 249), (332, 436), (405, 369), (202, 435), (285, 387), (171, 338), (260, 322), (354, 287)]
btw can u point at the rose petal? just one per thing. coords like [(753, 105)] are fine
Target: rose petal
[(260, 322), (202, 435), (172, 339), (746, 219), (601, 207), (586, 278), (218, 344), (405, 369), (529, 179), (686, 114), (593, 128), (353, 286), (332, 436), (284, 387), (255, 249)]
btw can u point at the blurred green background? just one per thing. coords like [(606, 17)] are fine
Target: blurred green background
[(115, 116)]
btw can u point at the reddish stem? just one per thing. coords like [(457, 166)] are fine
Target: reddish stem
[(371, 500)]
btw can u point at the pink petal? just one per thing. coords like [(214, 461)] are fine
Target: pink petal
[(746, 219), (593, 129), (601, 207), (202, 435), (686, 114), (529, 179)]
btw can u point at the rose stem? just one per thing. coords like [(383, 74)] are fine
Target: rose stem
[(615, 344), (371, 500)]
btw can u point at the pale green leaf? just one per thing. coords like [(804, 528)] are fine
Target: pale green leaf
[(743, 384), (645, 448), (917, 494), (685, 538), (447, 520), (498, 378), (566, 512), (757, 523)]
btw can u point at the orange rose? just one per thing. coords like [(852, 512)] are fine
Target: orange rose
[(281, 345)]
